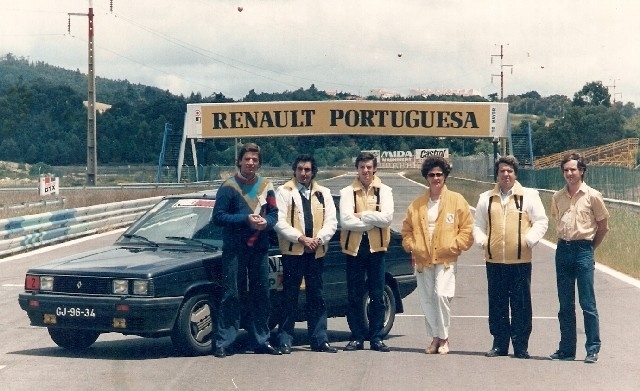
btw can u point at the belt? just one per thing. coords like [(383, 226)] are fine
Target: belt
[(577, 241)]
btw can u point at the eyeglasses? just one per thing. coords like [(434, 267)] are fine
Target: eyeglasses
[(435, 174)]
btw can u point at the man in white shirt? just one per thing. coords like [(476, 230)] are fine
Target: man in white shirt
[(306, 222), (509, 222)]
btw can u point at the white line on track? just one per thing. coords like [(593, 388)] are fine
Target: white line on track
[(469, 316)]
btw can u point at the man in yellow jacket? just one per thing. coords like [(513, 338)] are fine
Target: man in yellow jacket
[(509, 222), (366, 213)]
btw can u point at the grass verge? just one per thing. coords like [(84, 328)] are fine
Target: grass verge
[(619, 250)]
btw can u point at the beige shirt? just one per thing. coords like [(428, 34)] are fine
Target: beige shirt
[(576, 216)]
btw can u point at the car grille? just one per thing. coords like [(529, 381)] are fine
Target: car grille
[(82, 285)]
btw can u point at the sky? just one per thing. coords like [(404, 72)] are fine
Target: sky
[(353, 46)]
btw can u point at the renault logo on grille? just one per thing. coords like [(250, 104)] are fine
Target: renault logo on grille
[(79, 284)]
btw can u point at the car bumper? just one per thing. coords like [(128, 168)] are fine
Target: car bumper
[(137, 316)]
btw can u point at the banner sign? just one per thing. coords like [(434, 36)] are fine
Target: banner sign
[(417, 155), (439, 119), (423, 153)]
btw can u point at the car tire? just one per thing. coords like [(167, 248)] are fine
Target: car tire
[(389, 309), (72, 339), (193, 331)]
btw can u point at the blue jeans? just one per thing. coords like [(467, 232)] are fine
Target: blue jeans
[(238, 264), (371, 264), (575, 263)]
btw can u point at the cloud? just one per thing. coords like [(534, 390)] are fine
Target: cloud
[(554, 46)]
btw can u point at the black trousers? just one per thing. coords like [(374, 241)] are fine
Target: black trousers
[(294, 268), (510, 313)]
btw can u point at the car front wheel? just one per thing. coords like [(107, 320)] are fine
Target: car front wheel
[(193, 330), (73, 339), (389, 309)]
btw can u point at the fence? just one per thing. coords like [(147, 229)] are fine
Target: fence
[(618, 183), (23, 233)]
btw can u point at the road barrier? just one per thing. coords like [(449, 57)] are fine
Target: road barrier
[(44, 203), (19, 234)]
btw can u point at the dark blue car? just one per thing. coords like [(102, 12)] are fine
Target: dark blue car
[(162, 278)]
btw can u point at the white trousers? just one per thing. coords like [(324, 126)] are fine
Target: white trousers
[(436, 288)]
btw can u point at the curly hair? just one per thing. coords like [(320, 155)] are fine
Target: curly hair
[(435, 161)]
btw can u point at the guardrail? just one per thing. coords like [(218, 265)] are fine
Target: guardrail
[(19, 234), (44, 203)]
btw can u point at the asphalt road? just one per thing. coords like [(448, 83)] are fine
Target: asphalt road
[(29, 360)]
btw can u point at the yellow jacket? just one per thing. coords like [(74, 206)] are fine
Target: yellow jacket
[(452, 234), (508, 232), (375, 207)]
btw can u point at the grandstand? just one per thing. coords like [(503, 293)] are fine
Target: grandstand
[(620, 153)]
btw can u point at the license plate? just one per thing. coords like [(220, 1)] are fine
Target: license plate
[(75, 312)]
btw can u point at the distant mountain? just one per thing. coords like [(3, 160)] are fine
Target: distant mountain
[(43, 119), (16, 70)]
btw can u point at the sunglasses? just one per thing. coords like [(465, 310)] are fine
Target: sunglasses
[(435, 174)]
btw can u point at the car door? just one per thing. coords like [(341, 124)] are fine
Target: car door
[(335, 274)]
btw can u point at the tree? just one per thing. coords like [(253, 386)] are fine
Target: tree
[(581, 127), (592, 94)]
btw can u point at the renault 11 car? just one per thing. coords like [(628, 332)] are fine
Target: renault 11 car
[(162, 277)]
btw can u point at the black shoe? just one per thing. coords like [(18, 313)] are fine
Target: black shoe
[(495, 352), (559, 355), (325, 347), (379, 346), (285, 348), (354, 345), (524, 355), (220, 352), (591, 358), (267, 349)]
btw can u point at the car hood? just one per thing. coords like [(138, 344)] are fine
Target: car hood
[(114, 261)]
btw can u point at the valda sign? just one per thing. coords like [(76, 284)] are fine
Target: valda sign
[(439, 119)]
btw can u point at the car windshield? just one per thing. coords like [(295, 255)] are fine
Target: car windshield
[(182, 222)]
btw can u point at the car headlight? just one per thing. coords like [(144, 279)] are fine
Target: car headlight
[(141, 287), (46, 283), (120, 287)]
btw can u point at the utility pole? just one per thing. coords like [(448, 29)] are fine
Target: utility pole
[(614, 91), (92, 160), (501, 75)]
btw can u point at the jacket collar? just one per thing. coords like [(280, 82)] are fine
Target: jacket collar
[(357, 185), (515, 190), (293, 185), (445, 189)]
